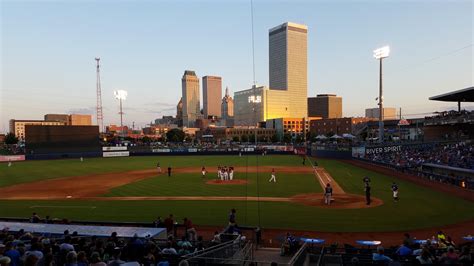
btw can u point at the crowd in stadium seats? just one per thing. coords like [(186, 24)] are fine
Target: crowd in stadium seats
[(459, 155), (70, 249), (439, 250)]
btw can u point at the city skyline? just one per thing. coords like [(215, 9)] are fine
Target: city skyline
[(50, 68)]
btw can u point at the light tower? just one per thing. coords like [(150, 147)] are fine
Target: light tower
[(380, 54), (121, 95), (100, 116)]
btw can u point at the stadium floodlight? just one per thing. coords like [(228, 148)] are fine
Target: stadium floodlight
[(121, 95), (380, 54)]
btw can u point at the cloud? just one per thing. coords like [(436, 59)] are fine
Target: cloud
[(161, 104), (85, 111)]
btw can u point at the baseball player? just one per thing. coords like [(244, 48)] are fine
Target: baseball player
[(9, 163), (395, 191), (226, 174), (327, 194), (158, 167), (169, 170), (231, 173), (82, 159), (203, 171), (367, 193), (273, 178), (219, 173)]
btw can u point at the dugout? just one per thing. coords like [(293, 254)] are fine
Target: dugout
[(50, 142), (454, 175)]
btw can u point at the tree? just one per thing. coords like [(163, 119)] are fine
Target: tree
[(10, 138), (244, 138), (287, 138), (274, 138), (235, 139), (252, 138), (175, 135)]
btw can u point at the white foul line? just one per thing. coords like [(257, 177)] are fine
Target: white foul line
[(78, 207)]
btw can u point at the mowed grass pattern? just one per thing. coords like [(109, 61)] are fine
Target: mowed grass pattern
[(419, 207), (194, 185)]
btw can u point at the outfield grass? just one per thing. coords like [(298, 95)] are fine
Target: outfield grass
[(194, 185), (29, 171), (419, 207)]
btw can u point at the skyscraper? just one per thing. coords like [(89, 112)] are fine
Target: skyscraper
[(227, 109), (191, 104), (212, 96), (288, 61)]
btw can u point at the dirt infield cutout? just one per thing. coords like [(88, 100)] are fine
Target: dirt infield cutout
[(227, 182)]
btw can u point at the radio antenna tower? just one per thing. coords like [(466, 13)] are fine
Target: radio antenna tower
[(100, 116)]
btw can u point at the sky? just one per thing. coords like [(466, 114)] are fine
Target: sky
[(48, 50)]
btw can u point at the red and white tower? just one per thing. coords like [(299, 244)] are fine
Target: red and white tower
[(100, 115)]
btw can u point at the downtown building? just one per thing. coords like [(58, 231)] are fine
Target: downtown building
[(212, 96), (325, 106), (287, 95), (190, 99)]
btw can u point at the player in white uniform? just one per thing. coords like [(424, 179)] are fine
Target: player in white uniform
[(203, 171), (226, 174), (158, 167), (9, 163), (273, 178), (231, 173), (219, 173)]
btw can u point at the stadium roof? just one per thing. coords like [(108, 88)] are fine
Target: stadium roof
[(464, 95)]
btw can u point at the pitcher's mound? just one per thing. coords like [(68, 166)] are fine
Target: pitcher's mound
[(228, 182)]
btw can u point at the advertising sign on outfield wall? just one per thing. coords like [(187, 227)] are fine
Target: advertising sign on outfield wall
[(192, 150), (116, 154), (11, 158), (113, 148), (160, 150)]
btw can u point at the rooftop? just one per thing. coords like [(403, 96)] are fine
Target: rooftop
[(463, 95), (289, 24)]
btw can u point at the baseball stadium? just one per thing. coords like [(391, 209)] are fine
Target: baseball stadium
[(137, 133)]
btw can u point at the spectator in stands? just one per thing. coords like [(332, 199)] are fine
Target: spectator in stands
[(151, 254), (379, 256), (116, 261), (450, 257), (465, 258), (5, 261), (12, 253), (199, 244), (31, 260), (35, 250), (95, 260), (169, 250), (190, 231), (449, 242), (404, 250), (71, 259), (169, 225), (425, 257), (408, 239), (35, 218), (184, 246), (216, 239), (67, 244)]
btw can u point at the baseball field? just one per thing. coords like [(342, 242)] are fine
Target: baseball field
[(131, 189)]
